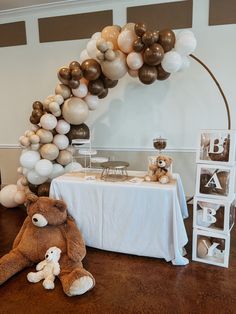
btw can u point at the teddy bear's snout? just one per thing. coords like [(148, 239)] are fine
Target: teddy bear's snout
[(161, 163), (39, 220)]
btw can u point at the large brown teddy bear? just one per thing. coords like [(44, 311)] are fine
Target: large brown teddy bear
[(49, 225)]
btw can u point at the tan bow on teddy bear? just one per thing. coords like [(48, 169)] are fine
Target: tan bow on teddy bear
[(48, 225)]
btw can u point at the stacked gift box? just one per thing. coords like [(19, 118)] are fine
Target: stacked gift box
[(214, 201)]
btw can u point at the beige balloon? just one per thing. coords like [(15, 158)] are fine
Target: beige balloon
[(116, 69), (111, 33), (34, 139), (45, 136), (49, 151), (64, 157), (63, 90), (125, 41), (75, 110), (128, 27)]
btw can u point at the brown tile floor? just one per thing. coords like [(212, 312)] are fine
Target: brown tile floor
[(124, 283)]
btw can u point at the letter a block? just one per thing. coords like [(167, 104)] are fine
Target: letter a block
[(211, 247), (213, 215)]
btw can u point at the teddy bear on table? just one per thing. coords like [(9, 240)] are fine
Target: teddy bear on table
[(159, 170), (49, 225), (47, 269)]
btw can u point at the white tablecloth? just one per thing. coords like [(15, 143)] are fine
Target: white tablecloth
[(138, 218)]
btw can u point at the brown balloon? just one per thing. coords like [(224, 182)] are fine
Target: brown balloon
[(33, 188), (76, 73), (155, 35), (73, 83), (138, 45), (153, 55), (64, 74), (167, 39), (148, 38), (37, 105), (109, 83), (103, 94), (147, 74), (43, 189), (91, 69), (80, 131), (161, 73), (37, 113), (96, 87), (140, 29), (34, 120), (74, 64)]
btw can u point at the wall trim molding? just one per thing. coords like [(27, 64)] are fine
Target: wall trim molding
[(119, 149)]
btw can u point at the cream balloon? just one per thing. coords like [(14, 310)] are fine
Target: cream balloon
[(20, 197), (49, 151), (116, 69), (34, 178), (92, 48), (133, 73), (61, 141), (75, 110), (44, 167), (35, 147), (92, 101), (81, 91), (7, 195), (48, 121), (64, 158), (96, 36), (57, 171), (59, 99), (62, 127), (125, 40), (63, 90), (134, 60), (54, 106), (128, 27), (186, 44), (29, 159), (24, 141), (45, 136), (34, 139)]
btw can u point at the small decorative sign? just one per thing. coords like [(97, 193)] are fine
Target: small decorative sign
[(213, 215), (217, 147), (211, 247), (215, 181)]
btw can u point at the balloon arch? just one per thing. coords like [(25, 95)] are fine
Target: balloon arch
[(109, 55)]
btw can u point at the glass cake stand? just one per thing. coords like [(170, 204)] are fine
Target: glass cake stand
[(114, 171)]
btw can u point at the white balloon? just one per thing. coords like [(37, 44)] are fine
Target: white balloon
[(7, 195), (57, 170), (134, 60), (92, 101), (48, 121), (61, 141), (20, 197), (34, 178), (186, 44), (96, 35), (185, 63), (25, 171), (171, 62), (73, 166), (92, 49), (81, 91), (44, 167), (184, 32), (29, 159), (62, 127), (83, 56)]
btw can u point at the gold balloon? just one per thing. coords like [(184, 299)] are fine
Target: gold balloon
[(111, 33)]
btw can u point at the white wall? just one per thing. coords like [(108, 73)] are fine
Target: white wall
[(133, 113)]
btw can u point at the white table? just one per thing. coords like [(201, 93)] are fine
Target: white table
[(137, 218)]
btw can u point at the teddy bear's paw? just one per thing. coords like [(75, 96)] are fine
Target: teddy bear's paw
[(164, 180), (31, 277), (48, 284), (81, 285)]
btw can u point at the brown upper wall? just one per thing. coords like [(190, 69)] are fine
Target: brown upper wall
[(172, 15), (12, 34), (222, 12), (76, 26)]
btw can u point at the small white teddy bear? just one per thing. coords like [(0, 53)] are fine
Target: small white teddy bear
[(47, 269)]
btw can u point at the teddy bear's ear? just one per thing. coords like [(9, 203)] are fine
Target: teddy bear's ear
[(31, 198), (60, 205)]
